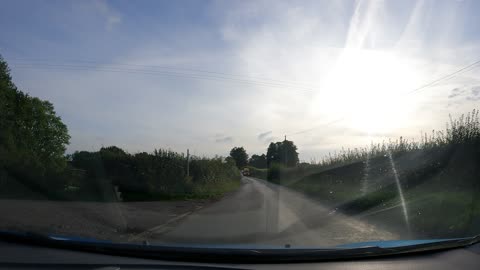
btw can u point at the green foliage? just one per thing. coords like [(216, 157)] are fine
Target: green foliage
[(31, 132), (258, 161), (32, 162), (32, 139), (240, 156), (157, 175), (258, 173), (439, 177), (284, 153), (273, 173)]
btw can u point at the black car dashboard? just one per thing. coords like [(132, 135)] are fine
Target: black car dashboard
[(23, 256)]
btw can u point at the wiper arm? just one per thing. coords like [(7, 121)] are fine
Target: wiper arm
[(230, 255)]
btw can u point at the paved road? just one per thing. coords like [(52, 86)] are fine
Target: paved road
[(114, 221), (262, 213), (258, 213)]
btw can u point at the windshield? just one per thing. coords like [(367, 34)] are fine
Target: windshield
[(274, 124)]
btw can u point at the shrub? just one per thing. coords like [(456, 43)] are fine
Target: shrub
[(150, 176), (274, 172), (258, 173)]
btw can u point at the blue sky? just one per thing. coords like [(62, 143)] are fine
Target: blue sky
[(210, 75)]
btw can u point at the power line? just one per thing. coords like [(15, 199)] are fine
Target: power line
[(177, 68), (317, 126), (416, 90), (446, 77), (63, 67), (221, 75), (43, 64)]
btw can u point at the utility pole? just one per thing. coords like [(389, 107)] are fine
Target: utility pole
[(188, 163), (285, 150)]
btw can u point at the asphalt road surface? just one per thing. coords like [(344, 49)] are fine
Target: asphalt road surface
[(115, 221), (266, 214), (258, 213)]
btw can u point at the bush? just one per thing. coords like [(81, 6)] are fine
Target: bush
[(258, 173), (153, 176), (274, 172)]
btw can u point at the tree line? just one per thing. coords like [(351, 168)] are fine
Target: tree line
[(282, 153), (33, 163), (158, 175)]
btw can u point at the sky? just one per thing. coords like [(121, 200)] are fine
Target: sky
[(211, 75)]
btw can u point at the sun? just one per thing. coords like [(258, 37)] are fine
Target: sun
[(368, 89)]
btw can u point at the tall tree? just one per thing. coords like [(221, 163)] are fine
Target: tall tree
[(284, 153), (240, 156), (31, 134), (7, 102)]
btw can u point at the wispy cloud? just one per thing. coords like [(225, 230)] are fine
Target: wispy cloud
[(266, 137), (474, 93), (112, 20), (228, 139), (112, 17), (263, 135), (470, 94), (476, 90), (269, 139), (456, 92)]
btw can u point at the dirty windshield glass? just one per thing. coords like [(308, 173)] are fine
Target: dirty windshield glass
[(258, 123)]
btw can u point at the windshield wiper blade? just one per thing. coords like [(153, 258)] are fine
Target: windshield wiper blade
[(229, 255)]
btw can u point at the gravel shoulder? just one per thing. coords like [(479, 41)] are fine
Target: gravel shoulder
[(117, 221)]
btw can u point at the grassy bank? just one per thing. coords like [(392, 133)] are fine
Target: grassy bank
[(438, 176)]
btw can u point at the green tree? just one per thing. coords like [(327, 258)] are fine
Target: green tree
[(284, 153), (240, 156), (7, 102), (258, 161), (33, 138)]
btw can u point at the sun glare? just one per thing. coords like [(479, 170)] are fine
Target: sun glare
[(367, 88)]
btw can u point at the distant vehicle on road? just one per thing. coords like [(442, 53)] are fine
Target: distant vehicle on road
[(246, 172)]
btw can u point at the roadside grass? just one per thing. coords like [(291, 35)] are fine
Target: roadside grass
[(444, 213), (215, 191), (439, 177), (431, 214), (207, 191), (437, 207), (258, 173)]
